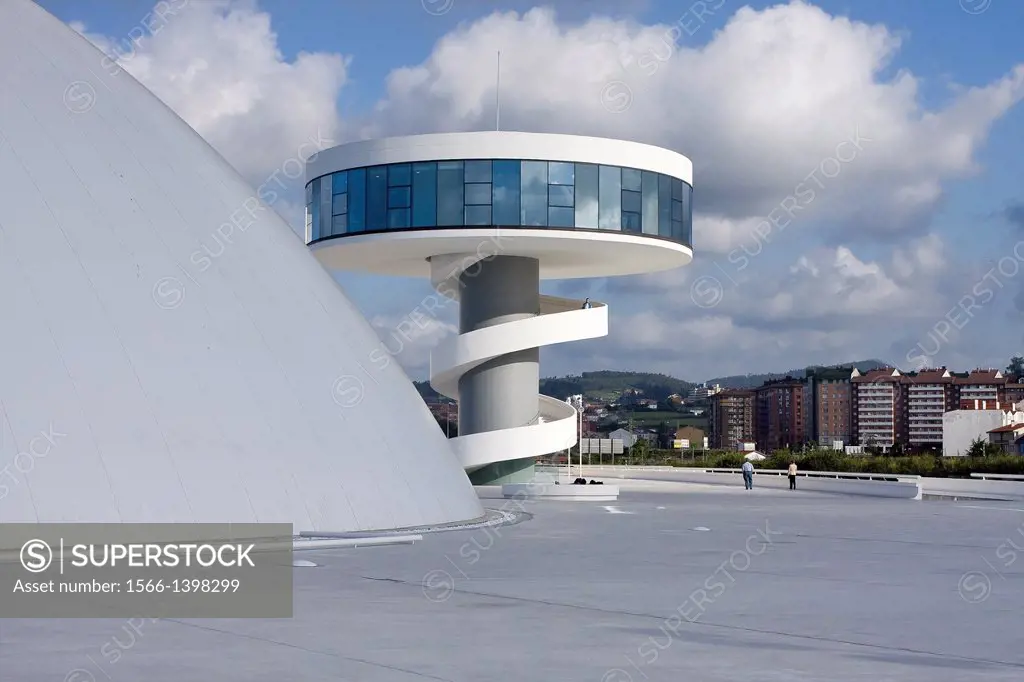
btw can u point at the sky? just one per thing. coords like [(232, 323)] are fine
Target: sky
[(857, 165)]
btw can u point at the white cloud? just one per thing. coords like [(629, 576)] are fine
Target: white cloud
[(760, 108), (217, 64)]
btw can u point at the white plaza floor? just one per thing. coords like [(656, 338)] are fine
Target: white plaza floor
[(670, 582)]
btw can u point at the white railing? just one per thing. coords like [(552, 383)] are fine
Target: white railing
[(559, 320)]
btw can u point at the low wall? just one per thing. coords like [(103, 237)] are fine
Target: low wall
[(569, 493), (990, 487), (871, 485)]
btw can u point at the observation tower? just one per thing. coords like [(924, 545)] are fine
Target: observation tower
[(487, 216)]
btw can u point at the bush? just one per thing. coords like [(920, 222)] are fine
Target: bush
[(831, 460)]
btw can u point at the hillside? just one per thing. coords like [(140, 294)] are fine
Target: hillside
[(753, 380), (601, 385)]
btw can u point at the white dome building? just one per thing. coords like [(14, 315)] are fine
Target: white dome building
[(171, 351)]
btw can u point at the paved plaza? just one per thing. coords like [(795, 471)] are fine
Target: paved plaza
[(668, 583)]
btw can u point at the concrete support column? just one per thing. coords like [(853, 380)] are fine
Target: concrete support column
[(501, 393)]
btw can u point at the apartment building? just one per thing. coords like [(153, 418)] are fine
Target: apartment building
[(829, 401), (704, 391), (731, 419), (780, 414), (877, 407), (929, 393)]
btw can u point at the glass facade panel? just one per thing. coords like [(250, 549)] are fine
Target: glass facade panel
[(534, 193), (561, 172), (398, 218), (399, 174), (631, 201), (630, 222), (649, 214), (450, 187), (339, 204), (478, 215), (424, 194), (377, 198), (631, 179), (505, 193), (325, 205), (340, 182), (587, 181), (610, 198), (664, 205), (559, 216), (357, 200), (315, 210), (478, 194), (687, 237), (560, 195), (399, 197), (340, 224), (478, 171)]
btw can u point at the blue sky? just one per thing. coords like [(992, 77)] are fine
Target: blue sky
[(757, 93)]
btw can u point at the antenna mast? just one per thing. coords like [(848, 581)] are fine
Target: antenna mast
[(497, 96)]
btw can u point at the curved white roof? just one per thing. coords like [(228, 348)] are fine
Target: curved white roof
[(500, 145), (153, 370)]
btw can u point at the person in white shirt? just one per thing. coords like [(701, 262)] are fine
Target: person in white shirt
[(792, 475), (748, 475)]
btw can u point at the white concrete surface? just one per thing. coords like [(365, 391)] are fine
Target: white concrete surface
[(171, 351), (566, 493), (657, 587)]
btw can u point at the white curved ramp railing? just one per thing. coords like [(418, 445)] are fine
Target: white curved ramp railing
[(555, 426)]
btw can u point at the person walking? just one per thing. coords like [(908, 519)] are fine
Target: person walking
[(792, 475), (748, 475)]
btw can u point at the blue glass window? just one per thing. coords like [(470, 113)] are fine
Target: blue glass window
[(339, 204), (649, 214), (631, 179), (424, 194), (561, 173), (340, 224), (560, 195), (587, 181), (398, 218), (478, 215), (505, 192), (399, 175), (315, 206), (478, 194), (450, 188), (478, 171), (630, 222), (377, 198), (560, 216), (688, 215), (357, 200), (610, 215), (632, 202), (325, 205), (399, 197), (340, 183), (535, 193), (482, 192), (677, 189), (664, 206)]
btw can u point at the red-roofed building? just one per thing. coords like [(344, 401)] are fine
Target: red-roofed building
[(1010, 438)]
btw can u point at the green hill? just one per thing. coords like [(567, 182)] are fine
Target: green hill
[(601, 385), (753, 380)]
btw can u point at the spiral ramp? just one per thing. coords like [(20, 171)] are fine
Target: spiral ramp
[(554, 427)]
